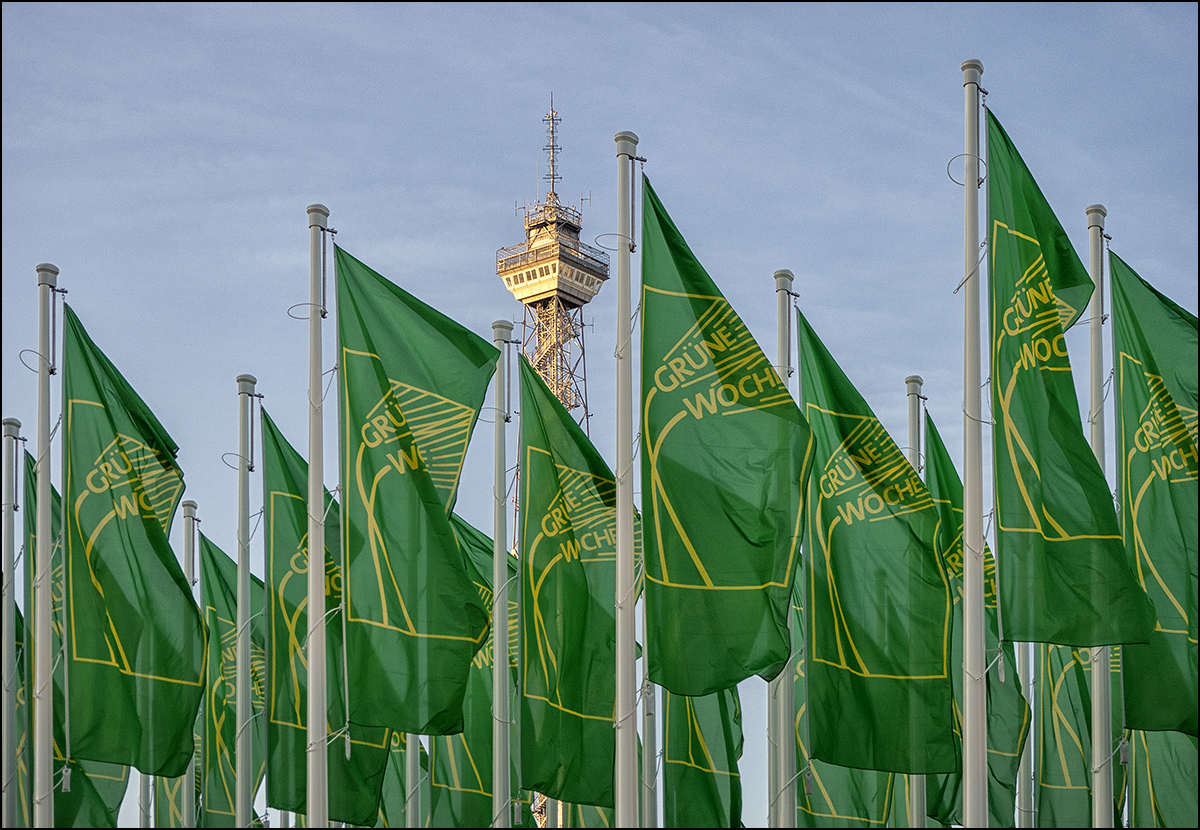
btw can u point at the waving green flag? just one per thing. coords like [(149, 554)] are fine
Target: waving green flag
[(725, 453), (1155, 343), (828, 795), (355, 783), (97, 787), (568, 622), (412, 383), (880, 606), (133, 628), (462, 764), (1063, 575), (1162, 790), (168, 792), (702, 742), (393, 804), (1007, 710), (218, 595)]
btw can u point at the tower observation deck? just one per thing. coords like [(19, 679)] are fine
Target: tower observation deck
[(554, 275)]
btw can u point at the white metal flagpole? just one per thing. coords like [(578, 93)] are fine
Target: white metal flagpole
[(625, 783), (1102, 785), (42, 680), (974, 691), (781, 693), (12, 431), (501, 784), (188, 819), (317, 795), (412, 779), (244, 748), (913, 383)]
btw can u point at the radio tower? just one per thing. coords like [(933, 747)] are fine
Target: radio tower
[(554, 275)]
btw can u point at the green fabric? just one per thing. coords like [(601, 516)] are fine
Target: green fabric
[(1155, 344), (97, 787), (168, 792), (355, 783), (412, 383), (133, 626), (725, 452), (880, 606), (1063, 740), (218, 596), (462, 763), (568, 622), (1162, 789), (702, 742), (828, 795), (1063, 575), (1007, 711)]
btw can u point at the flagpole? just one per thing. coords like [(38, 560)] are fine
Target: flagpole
[(974, 723), (781, 692), (42, 680), (1102, 786), (189, 571), (913, 383), (12, 432), (317, 766), (243, 758), (626, 737), (412, 780), (501, 784), (1025, 769)]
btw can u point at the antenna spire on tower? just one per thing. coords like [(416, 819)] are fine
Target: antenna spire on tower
[(551, 120)]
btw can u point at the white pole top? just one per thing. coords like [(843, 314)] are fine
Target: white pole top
[(501, 329), (246, 384), (914, 383), (317, 215), (189, 509), (971, 70), (625, 138), (1095, 215), (47, 274), (783, 280), (12, 428)]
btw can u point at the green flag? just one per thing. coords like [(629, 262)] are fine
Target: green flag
[(1162, 789), (462, 763), (880, 606), (828, 795), (725, 453), (1155, 344), (97, 787), (1007, 710), (133, 628), (168, 792), (355, 783), (702, 742), (218, 595), (1063, 575), (568, 621), (412, 383)]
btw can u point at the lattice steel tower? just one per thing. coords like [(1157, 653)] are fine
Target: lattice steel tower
[(554, 275)]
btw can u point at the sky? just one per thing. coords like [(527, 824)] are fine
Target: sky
[(162, 156)]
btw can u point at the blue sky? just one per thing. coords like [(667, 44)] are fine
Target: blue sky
[(162, 156)]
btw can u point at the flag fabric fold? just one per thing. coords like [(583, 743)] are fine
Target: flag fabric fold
[(1063, 575), (412, 382), (218, 596), (133, 627), (725, 453), (879, 604), (702, 742), (355, 783), (568, 621), (1155, 347)]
